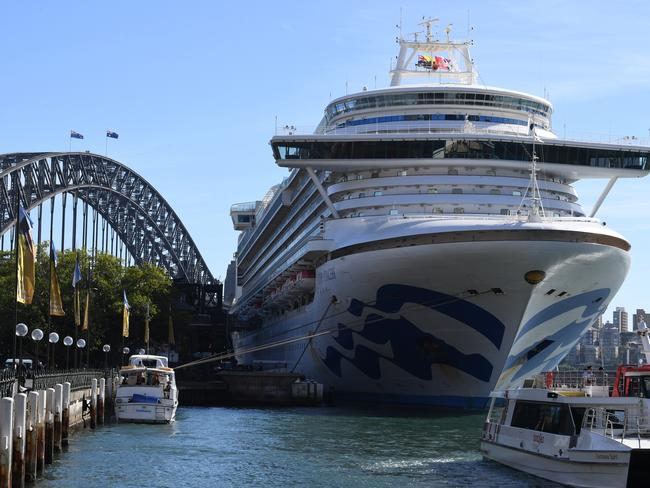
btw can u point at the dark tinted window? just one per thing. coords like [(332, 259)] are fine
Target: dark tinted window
[(543, 417)]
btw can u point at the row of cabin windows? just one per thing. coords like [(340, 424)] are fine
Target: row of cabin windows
[(545, 417), (440, 210), (454, 191), (450, 171)]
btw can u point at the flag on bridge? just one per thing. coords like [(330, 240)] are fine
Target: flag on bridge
[(56, 304), (76, 278), (125, 317), (26, 268), (75, 135), (111, 134)]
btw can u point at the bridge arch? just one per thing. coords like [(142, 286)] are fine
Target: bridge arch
[(141, 218)]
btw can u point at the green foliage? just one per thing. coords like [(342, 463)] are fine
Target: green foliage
[(106, 280)]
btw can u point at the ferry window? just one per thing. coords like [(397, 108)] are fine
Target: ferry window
[(554, 419), (457, 190), (645, 386), (577, 415), (378, 193)]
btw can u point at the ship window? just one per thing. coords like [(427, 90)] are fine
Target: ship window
[(393, 211), (459, 210), (516, 193), (362, 195), (359, 177), (437, 210), (494, 191), (378, 193), (491, 172), (457, 190), (433, 190), (452, 171), (374, 175), (402, 173), (505, 211), (543, 417), (243, 218)]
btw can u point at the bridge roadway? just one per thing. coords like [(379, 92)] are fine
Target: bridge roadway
[(129, 210)]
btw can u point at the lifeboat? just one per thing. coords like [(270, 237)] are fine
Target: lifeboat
[(305, 281)]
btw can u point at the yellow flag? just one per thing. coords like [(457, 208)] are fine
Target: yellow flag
[(170, 337), (77, 308), (125, 317), (26, 277), (87, 312), (56, 304)]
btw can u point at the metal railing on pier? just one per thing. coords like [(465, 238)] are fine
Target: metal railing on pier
[(7, 383), (78, 378)]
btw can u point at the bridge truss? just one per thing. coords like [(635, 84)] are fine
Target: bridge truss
[(130, 207)]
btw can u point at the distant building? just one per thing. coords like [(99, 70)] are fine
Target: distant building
[(609, 344), (620, 319), (638, 318)]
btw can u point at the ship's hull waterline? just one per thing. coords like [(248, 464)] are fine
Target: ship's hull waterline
[(438, 323)]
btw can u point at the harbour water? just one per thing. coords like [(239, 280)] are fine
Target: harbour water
[(315, 447)]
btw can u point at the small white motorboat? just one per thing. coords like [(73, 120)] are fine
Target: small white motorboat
[(588, 436), (147, 392)]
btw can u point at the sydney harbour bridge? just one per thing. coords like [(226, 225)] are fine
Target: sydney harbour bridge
[(108, 206)]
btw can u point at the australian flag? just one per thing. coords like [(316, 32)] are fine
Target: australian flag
[(111, 134), (76, 135)]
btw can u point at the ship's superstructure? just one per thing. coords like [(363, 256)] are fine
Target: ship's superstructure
[(428, 237)]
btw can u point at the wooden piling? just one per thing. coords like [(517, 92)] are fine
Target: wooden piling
[(40, 431), (18, 451), (58, 407), (65, 414), (100, 401), (49, 426), (31, 435), (93, 403), (6, 434)]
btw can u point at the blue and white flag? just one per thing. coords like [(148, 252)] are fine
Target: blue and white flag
[(76, 135), (76, 276), (111, 134)]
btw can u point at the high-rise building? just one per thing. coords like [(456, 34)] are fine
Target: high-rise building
[(609, 344), (637, 318), (620, 319)]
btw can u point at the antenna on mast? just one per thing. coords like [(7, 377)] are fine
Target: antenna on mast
[(448, 31), (427, 23)]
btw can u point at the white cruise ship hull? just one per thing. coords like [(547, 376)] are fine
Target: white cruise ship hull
[(437, 323)]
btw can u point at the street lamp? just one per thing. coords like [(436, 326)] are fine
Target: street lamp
[(125, 351), (67, 342), (141, 351), (37, 335), (81, 344), (21, 331), (53, 338), (106, 349)]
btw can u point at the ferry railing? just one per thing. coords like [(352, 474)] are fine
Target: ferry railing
[(578, 379), (619, 425)]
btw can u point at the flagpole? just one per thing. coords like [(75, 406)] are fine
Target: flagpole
[(17, 194), (49, 273)]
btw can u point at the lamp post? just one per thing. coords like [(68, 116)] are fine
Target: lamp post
[(141, 351), (67, 342), (37, 335), (125, 351), (21, 331), (53, 339), (81, 344), (106, 349)]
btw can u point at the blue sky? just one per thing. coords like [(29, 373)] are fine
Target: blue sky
[(193, 88)]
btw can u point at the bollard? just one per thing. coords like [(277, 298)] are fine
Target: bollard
[(93, 403), (31, 435), (58, 401), (18, 451), (49, 425), (40, 432), (100, 401), (65, 414), (6, 421)]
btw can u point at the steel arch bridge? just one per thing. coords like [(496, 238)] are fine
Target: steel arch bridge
[(141, 218)]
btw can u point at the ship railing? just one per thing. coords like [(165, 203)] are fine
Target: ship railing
[(617, 424), (472, 128), (576, 379)]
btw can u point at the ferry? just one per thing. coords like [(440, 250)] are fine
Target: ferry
[(147, 391), (428, 243)]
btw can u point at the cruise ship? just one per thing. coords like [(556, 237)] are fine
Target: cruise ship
[(428, 244)]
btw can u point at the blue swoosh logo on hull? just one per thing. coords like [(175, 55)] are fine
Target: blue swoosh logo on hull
[(413, 350)]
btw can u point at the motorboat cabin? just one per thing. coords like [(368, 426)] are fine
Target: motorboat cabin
[(147, 391)]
